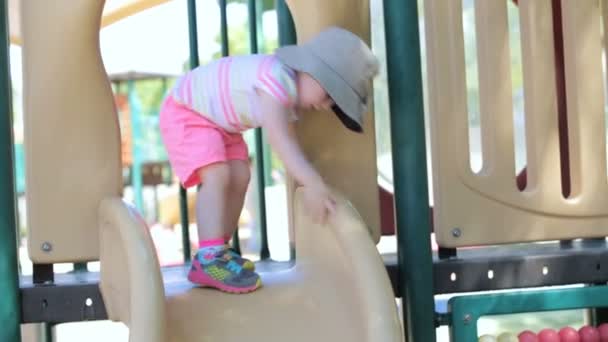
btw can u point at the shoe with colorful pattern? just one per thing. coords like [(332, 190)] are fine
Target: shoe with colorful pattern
[(221, 271), (244, 262)]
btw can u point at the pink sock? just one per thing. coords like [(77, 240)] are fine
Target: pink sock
[(210, 243)]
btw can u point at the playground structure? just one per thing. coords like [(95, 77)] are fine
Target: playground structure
[(312, 291), (338, 286)]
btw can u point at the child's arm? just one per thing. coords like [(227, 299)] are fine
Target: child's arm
[(284, 143)]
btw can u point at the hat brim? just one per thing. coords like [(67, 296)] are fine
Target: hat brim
[(349, 107)]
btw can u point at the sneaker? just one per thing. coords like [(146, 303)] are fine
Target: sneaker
[(244, 262), (223, 273)]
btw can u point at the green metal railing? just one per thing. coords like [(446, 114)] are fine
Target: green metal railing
[(287, 36), (183, 195), (287, 29), (467, 310), (225, 41), (259, 145), (10, 310), (409, 167)]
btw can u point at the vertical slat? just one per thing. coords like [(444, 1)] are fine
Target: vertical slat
[(183, 195), (562, 111), (543, 169), (604, 8), (224, 28), (48, 332), (287, 36), (409, 167), (585, 98), (495, 95), (259, 145), (225, 43), (10, 312), (287, 28), (447, 82)]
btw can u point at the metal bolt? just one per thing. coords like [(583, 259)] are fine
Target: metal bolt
[(456, 232), (47, 247), (467, 319)]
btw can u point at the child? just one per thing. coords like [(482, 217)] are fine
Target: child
[(202, 119)]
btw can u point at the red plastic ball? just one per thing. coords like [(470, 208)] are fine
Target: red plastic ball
[(603, 330), (568, 334), (527, 336), (589, 334), (548, 335)]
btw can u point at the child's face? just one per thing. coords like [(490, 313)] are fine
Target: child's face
[(311, 95)]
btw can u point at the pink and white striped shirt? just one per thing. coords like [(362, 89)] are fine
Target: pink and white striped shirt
[(224, 91)]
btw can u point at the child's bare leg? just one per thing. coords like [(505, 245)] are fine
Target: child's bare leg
[(239, 180), (213, 265), (211, 201)]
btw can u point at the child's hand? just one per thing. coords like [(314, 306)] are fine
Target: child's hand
[(319, 202)]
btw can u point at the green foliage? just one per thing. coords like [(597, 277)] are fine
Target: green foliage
[(238, 41), (151, 93)]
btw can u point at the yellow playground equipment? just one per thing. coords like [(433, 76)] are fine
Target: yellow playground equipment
[(336, 289), (339, 287)]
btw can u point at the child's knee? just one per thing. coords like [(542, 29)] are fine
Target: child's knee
[(217, 175), (240, 176)]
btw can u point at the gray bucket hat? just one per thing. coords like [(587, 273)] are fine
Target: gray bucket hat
[(344, 66)]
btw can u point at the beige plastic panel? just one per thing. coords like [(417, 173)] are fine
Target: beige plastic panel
[(346, 160), (71, 129), (337, 291), (487, 207), (604, 7), (129, 261)]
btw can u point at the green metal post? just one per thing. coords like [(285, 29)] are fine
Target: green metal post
[(136, 172), (224, 28), (10, 313), (259, 24), (267, 161), (236, 243), (259, 146), (48, 332), (183, 195), (81, 267), (409, 167), (262, 45), (183, 211), (193, 34), (287, 29), (287, 36)]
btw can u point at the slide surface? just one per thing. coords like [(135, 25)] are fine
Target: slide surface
[(337, 289)]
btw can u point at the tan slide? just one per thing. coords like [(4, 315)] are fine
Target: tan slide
[(337, 289)]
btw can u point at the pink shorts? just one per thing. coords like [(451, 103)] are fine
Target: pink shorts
[(193, 142)]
